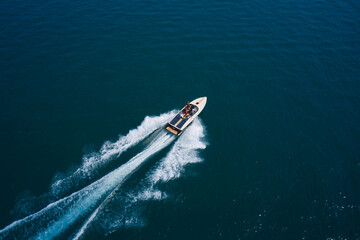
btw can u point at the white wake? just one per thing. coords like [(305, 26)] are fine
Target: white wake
[(183, 152), (127, 208), (93, 200), (108, 152), (59, 215), (103, 186)]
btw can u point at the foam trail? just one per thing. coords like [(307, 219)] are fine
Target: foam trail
[(109, 151), (82, 230), (86, 224), (81, 202), (110, 182), (182, 153), (129, 206)]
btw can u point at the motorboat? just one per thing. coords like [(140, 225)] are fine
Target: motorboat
[(186, 116)]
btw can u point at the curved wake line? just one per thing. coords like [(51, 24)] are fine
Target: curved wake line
[(84, 227), (183, 152), (91, 201), (80, 202), (108, 183), (110, 151), (86, 224), (91, 195)]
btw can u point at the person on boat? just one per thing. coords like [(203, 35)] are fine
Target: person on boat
[(188, 106), (187, 109)]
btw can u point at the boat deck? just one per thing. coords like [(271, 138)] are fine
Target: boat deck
[(176, 119), (178, 124), (179, 121)]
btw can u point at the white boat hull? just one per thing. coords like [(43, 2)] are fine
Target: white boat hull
[(181, 121)]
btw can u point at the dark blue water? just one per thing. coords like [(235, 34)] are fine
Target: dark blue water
[(276, 152)]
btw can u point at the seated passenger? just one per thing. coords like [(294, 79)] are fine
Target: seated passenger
[(187, 109)]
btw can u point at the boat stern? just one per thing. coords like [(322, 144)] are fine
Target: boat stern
[(173, 129)]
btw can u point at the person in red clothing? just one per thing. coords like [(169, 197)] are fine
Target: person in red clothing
[(187, 109)]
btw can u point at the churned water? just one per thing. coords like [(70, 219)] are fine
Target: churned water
[(86, 87)]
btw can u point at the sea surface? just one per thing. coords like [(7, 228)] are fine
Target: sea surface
[(87, 86)]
